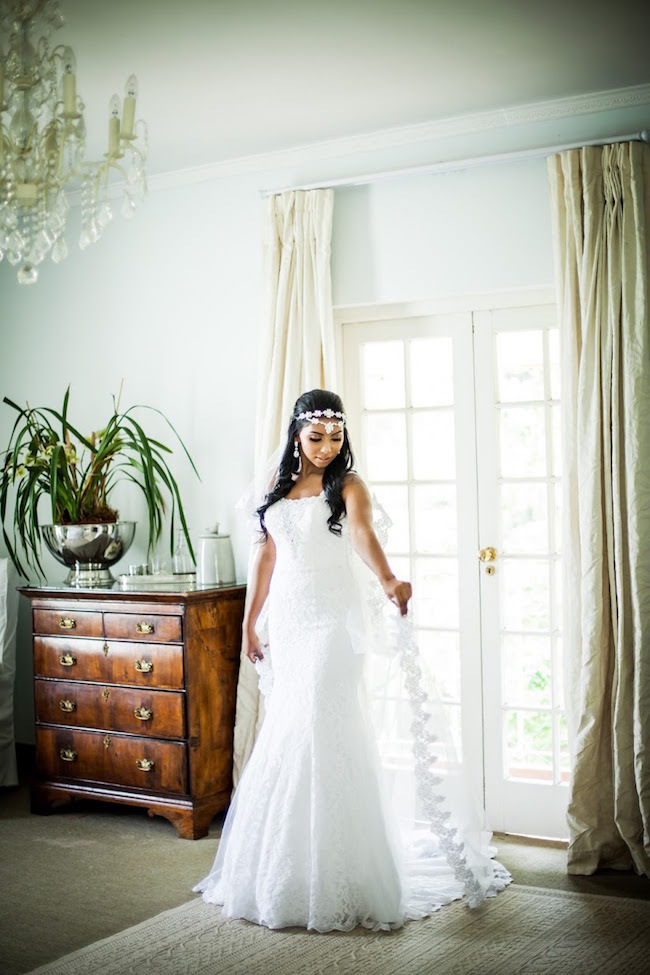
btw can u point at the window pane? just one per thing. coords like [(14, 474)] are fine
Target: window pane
[(527, 670), (557, 490), (559, 673), (382, 371), (558, 574), (435, 593), (522, 441), (453, 715), (524, 523), (441, 656), (520, 366), (525, 595), (401, 567), (556, 412), (434, 510), (385, 443), (529, 745), (434, 448), (432, 372), (395, 502), (554, 361)]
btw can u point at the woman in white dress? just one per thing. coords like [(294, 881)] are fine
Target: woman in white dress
[(309, 839)]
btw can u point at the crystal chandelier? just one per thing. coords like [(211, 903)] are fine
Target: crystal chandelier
[(42, 143)]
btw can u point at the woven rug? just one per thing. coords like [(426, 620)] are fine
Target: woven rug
[(523, 931)]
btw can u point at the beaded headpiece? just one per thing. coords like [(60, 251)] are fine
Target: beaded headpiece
[(323, 418)]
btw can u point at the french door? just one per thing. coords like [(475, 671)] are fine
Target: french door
[(455, 420)]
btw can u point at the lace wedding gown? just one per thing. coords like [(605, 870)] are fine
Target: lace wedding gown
[(310, 838)]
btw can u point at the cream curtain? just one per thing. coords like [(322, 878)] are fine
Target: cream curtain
[(8, 620), (601, 213), (297, 353)]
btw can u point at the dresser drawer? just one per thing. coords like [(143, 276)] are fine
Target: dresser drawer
[(152, 629), (67, 621), (158, 714), (109, 662), (94, 756)]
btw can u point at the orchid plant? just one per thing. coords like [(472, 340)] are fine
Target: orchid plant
[(48, 456)]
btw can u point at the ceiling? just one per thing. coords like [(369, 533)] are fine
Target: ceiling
[(222, 79)]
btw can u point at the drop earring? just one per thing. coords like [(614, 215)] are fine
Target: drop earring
[(296, 453)]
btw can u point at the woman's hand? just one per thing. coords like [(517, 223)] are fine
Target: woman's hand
[(398, 593), (252, 647)]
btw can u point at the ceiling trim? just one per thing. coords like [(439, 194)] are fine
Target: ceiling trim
[(435, 132)]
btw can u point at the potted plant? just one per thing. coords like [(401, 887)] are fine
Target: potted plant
[(48, 456)]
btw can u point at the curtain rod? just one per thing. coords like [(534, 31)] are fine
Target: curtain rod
[(453, 164)]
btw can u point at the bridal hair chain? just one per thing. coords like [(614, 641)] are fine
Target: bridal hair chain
[(323, 417)]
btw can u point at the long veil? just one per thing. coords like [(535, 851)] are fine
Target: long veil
[(444, 851)]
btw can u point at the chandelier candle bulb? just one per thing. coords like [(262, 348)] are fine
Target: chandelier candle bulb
[(114, 125), (69, 83), (128, 113)]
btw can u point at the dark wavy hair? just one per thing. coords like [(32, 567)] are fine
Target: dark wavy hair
[(333, 475)]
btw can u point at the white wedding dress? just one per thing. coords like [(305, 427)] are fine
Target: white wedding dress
[(310, 838)]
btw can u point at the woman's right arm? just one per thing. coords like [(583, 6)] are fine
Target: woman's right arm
[(258, 590)]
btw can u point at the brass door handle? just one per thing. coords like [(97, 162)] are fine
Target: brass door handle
[(68, 706), (67, 660), (144, 627), (68, 755), (67, 623), (143, 714), (144, 666), (487, 554), (145, 765)]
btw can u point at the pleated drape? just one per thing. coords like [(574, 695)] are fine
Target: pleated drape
[(601, 214), (297, 353)]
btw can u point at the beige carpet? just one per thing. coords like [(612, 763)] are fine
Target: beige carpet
[(93, 870), (523, 931)]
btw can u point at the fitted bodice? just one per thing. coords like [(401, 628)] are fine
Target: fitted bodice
[(312, 563), (301, 534)]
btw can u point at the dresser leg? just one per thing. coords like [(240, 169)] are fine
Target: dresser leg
[(190, 824), (42, 800)]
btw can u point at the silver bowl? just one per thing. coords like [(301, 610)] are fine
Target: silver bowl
[(88, 551)]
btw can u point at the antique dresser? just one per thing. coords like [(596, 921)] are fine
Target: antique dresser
[(135, 699)]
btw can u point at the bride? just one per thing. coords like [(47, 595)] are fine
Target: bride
[(310, 838)]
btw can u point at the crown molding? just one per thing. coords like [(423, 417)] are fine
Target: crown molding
[(434, 132)]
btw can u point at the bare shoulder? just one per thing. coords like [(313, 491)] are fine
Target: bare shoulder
[(354, 489)]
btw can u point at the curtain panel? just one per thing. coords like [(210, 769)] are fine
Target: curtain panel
[(601, 221), (297, 353)]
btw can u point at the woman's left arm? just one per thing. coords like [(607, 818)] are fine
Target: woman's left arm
[(358, 507)]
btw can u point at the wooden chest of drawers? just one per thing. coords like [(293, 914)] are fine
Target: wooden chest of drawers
[(135, 699)]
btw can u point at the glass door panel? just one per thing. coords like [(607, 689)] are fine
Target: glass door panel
[(401, 393), (455, 420), (518, 431)]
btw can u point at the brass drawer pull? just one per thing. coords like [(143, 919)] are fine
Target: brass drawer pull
[(68, 755), (67, 660), (143, 714), (144, 627), (144, 666), (68, 706), (145, 765), (67, 623)]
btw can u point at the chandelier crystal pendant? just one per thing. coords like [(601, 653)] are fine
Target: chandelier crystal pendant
[(42, 143)]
